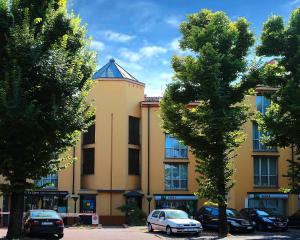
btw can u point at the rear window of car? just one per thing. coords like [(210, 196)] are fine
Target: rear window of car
[(44, 214)]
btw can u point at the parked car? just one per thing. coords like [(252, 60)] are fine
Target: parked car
[(172, 221), (46, 222), (266, 219), (209, 217), (294, 220)]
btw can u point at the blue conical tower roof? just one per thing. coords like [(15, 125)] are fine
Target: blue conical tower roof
[(113, 70)]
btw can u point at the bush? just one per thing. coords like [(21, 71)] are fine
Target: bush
[(135, 216)]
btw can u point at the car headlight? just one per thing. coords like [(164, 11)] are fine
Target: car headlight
[(234, 223), (253, 223), (267, 220)]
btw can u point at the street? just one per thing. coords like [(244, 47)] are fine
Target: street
[(140, 233)]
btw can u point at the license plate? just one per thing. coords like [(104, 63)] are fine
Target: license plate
[(281, 224), (47, 223), (249, 227), (191, 229)]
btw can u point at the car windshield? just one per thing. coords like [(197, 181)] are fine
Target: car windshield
[(233, 213), (176, 215), (263, 212), (44, 214)]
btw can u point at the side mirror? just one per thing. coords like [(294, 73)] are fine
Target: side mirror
[(162, 218)]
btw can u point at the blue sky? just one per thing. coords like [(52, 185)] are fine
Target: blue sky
[(142, 35)]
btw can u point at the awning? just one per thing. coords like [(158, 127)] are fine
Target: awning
[(268, 195), (133, 194), (174, 197)]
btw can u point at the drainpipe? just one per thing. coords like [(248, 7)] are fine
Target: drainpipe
[(293, 168), (111, 161), (149, 198), (73, 176)]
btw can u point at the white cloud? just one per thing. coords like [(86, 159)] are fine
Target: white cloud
[(130, 55), (294, 2), (174, 44), (117, 37), (173, 21), (144, 52), (97, 45), (166, 76), (151, 51), (165, 62)]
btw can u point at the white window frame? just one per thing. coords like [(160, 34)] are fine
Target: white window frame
[(180, 179), (268, 171)]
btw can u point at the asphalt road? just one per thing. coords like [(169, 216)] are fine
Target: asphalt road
[(140, 233)]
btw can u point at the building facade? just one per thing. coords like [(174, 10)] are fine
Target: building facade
[(125, 156)]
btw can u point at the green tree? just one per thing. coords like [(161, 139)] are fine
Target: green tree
[(282, 42), (212, 79), (45, 67)]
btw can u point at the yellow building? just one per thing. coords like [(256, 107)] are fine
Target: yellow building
[(126, 156)]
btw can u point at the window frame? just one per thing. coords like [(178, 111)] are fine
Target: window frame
[(259, 185), (180, 180), (133, 126), (181, 147), (132, 162), (86, 170), (257, 141)]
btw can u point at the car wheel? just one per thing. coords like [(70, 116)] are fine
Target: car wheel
[(61, 235), (169, 230), (260, 227), (149, 226)]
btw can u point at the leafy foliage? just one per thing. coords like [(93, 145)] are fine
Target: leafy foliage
[(135, 216), (282, 119), (45, 67), (202, 106)]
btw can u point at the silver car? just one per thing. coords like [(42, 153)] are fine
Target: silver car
[(172, 221)]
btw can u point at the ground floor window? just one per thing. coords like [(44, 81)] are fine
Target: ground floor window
[(276, 205), (185, 203), (53, 200), (88, 203)]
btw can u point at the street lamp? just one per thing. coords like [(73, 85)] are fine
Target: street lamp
[(149, 198), (75, 198)]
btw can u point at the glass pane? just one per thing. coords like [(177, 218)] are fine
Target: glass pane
[(255, 131), (168, 173), (256, 166), (175, 173), (168, 143), (273, 180), (256, 181), (184, 184), (264, 166), (183, 171), (272, 166), (264, 181), (175, 184), (266, 104), (168, 184), (259, 103)]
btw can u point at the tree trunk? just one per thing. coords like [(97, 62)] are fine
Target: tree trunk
[(15, 226), (223, 225)]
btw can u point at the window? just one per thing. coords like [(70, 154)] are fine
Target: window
[(257, 144), (155, 214), (47, 182), (174, 149), (162, 215), (262, 103), (87, 203), (88, 161), (176, 176), (265, 171), (133, 161), (89, 136), (134, 130)]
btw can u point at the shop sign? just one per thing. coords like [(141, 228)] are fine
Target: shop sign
[(174, 197), (62, 193), (269, 196)]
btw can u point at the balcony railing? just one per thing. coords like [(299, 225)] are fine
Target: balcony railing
[(47, 183), (176, 152), (258, 146)]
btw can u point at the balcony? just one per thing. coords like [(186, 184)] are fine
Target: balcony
[(49, 182), (260, 147), (175, 153)]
